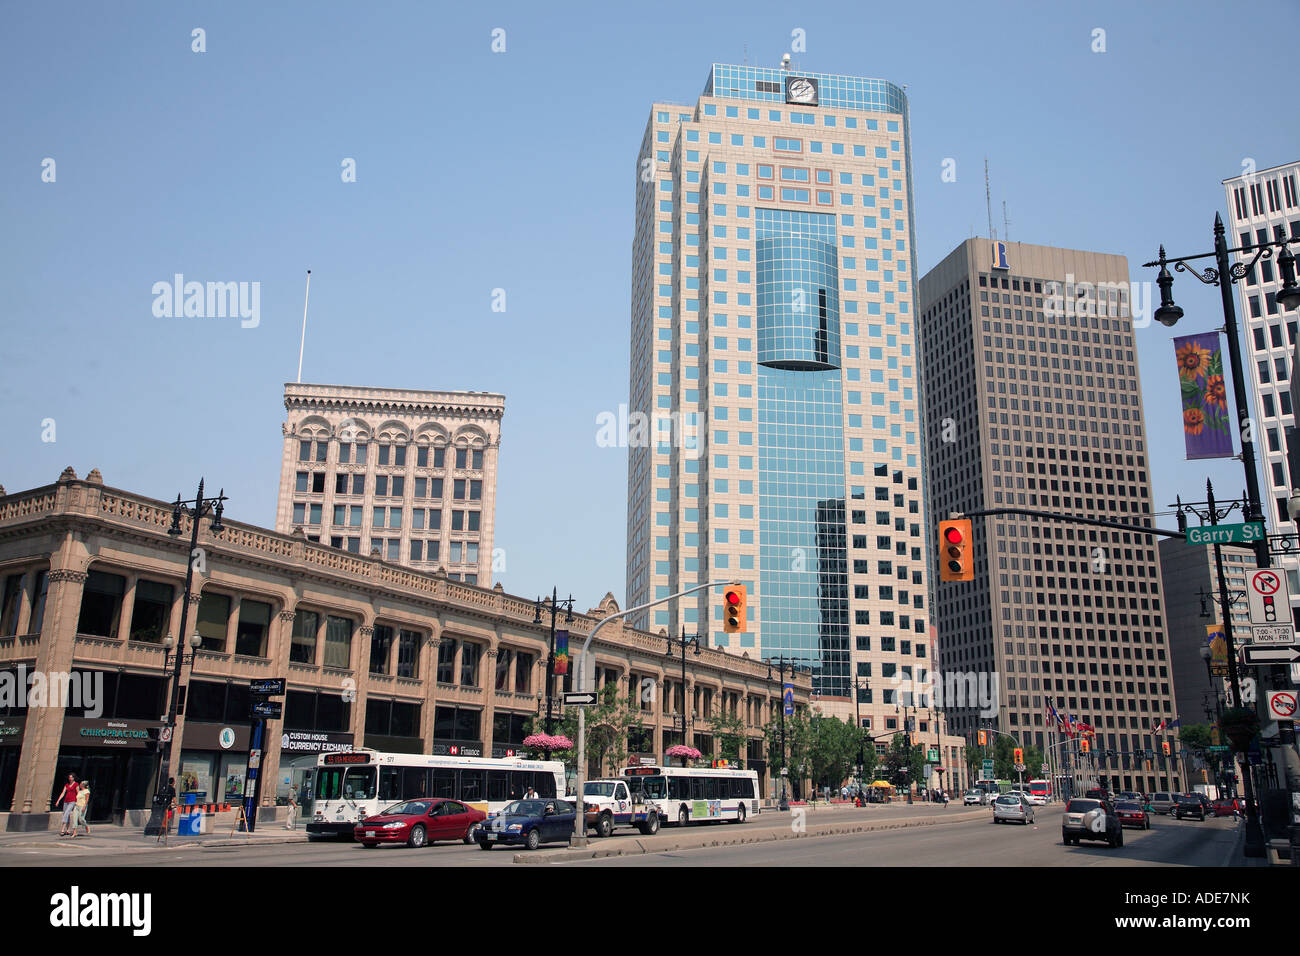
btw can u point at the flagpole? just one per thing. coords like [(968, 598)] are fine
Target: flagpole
[(303, 343)]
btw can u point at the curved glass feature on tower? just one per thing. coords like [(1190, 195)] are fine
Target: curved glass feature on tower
[(798, 297), (803, 565)]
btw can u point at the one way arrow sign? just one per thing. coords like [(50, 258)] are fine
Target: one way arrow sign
[(1289, 654), (579, 699)]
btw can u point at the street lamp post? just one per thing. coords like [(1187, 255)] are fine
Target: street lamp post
[(194, 509), (1224, 275), (683, 641), (550, 657), (907, 729)]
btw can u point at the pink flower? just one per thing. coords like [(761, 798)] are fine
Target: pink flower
[(681, 750), (548, 742)]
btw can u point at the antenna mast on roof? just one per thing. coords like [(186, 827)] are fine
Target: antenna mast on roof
[(1006, 223), (303, 344), (988, 202)]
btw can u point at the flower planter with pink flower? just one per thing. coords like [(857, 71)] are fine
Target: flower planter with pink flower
[(683, 751), (548, 743)]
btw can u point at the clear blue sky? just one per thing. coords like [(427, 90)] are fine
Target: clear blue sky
[(478, 171)]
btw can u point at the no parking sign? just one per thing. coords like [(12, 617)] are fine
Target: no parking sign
[(1282, 704)]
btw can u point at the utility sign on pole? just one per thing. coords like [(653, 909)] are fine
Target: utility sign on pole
[(1270, 599)]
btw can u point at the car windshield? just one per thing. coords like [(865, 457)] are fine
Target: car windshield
[(1127, 805), (598, 789), (972, 793), (1188, 800), (1082, 806), (524, 808), (1008, 798), (415, 808)]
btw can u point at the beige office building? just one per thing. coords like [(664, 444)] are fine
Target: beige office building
[(407, 475), (375, 655), (1032, 400)]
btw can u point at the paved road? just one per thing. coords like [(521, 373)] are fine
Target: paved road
[(973, 842), (979, 843)]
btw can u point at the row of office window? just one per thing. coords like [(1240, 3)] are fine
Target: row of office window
[(395, 455)]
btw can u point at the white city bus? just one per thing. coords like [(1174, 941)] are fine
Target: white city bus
[(685, 795), (359, 784)]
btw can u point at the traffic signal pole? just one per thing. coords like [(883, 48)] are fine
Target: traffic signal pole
[(584, 669)]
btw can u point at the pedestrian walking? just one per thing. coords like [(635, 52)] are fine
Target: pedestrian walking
[(292, 822), (83, 807), (167, 799), (68, 800)]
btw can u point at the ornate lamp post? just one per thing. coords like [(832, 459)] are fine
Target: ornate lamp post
[(555, 604), (194, 509)]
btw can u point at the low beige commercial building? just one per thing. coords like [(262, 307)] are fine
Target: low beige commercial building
[(375, 654)]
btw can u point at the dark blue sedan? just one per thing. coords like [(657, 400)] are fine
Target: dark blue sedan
[(530, 822)]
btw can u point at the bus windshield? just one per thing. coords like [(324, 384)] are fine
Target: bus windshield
[(653, 788), (352, 783)]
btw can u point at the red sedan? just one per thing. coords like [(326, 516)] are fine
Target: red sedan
[(1225, 807), (1132, 815), (419, 823)]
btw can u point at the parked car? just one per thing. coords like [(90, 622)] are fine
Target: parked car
[(1162, 802), (1013, 806), (1189, 806), (530, 822), (1132, 814), (1098, 793), (1091, 819), (1131, 795), (1227, 806), (419, 823), (972, 797)]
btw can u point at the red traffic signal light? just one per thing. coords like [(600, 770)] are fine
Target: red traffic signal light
[(956, 557), (1164, 747), (734, 615), (1020, 755)]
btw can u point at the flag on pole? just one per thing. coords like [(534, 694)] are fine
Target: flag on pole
[(1204, 396)]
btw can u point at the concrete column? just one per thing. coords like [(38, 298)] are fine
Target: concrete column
[(34, 787)]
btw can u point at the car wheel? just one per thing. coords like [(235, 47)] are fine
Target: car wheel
[(534, 839), (370, 846), (740, 813), (682, 817), (604, 825), (484, 845), (651, 826), (418, 837), (471, 835)]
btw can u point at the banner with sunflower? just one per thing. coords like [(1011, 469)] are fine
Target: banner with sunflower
[(1205, 396)]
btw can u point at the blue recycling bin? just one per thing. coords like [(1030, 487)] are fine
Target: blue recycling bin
[(191, 819)]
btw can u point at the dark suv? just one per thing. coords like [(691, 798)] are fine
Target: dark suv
[(1081, 815), (1190, 805)]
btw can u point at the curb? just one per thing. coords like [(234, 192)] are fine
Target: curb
[(638, 848)]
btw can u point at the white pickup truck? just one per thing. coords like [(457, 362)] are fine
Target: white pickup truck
[(608, 804)]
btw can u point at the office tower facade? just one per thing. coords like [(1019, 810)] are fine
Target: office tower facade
[(1191, 589), (1033, 401), (773, 358), (1264, 206), (408, 475)]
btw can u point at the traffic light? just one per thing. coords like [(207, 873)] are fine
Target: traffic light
[(956, 561), (1020, 755), (984, 738), (1164, 747), (734, 618), (1084, 746)]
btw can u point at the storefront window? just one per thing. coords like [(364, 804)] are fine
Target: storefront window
[(254, 623), (101, 604), (196, 776), (302, 649), (234, 772), (214, 614), (408, 654), (152, 611), (523, 673), (505, 657), (338, 642)]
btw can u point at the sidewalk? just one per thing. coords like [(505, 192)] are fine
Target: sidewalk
[(120, 839)]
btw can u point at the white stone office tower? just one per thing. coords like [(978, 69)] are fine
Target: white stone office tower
[(410, 474), (1033, 401), (1265, 206), (773, 355)]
